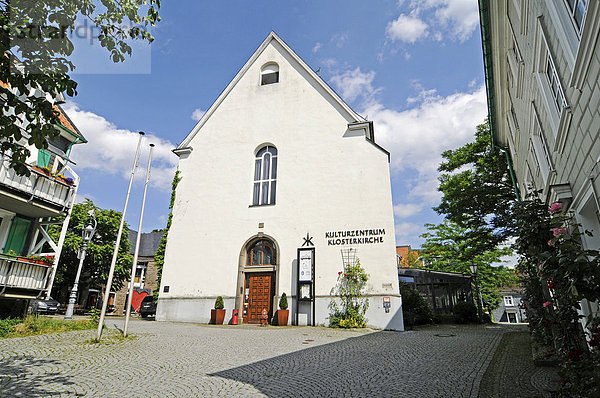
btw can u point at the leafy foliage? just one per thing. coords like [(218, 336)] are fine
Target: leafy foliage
[(465, 312), (35, 68), (159, 256), (354, 304), (219, 304), (99, 251), (478, 193), (557, 273), (283, 302), (447, 249), (415, 308)]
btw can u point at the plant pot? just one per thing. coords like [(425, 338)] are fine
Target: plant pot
[(217, 316), (282, 317)]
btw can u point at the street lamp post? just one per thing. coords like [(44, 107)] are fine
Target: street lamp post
[(87, 234), (473, 268)]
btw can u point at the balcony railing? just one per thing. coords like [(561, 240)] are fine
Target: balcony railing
[(16, 275), (37, 185)]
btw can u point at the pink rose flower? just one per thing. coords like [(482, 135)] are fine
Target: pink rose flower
[(547, 303), (556, 207), (559, 231), (550, 242)]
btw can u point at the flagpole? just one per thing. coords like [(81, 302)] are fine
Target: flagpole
[(118, 242), (137, 246)]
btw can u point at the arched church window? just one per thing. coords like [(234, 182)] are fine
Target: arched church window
[(269, 74), (261, 253), (265, 176)]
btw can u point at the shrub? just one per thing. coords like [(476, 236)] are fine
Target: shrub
[(465, 312), (219, 304), (415, 308), (283, 304), (34, 325), (354, 304), (7, 326)]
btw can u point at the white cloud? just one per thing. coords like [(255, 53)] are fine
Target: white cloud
[(406, 28), (316, 48), (197, 114), (405, 210), (81, 197), (435, 19), (408, 232), (416, 137), (111, 150), (339, 39), (353, 83), (461, 17)]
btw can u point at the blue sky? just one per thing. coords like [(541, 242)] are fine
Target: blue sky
[(413, 67)]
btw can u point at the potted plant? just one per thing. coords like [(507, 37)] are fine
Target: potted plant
[(217, 315), (283, 313)]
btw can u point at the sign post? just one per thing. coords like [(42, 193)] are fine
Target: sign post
[(306, 278)]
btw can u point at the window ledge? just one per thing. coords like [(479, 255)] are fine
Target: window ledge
[(266, 205)]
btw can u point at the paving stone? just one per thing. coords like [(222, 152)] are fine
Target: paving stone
[(165, 359)]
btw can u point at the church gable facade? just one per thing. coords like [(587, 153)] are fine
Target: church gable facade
[(278, 161)]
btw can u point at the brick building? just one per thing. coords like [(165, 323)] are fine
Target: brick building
[(409, 257)]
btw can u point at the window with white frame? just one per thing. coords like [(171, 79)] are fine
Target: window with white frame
[(551, 89), (554, 83), (269, 74), (540, 150), (508, 301), (515, 60), (577, 10), (265, 176)]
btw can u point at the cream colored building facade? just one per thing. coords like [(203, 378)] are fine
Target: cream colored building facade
[(543, 74), (277, 157)]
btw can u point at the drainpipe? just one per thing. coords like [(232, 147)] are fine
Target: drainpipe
[(510, 169)]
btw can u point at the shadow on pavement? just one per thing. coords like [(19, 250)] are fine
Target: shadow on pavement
[(20, 377), (380, 364)]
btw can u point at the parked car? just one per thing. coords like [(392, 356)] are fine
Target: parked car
[(148, 307), (39, 306)]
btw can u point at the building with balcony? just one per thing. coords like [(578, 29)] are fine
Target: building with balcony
[(28, 205), (542, 68)]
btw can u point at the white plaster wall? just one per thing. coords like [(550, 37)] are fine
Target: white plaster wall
[(327, 180)]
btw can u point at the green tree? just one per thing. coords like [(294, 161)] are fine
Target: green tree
[(99, 252), (447, 249), (35, 43), (477, 192)]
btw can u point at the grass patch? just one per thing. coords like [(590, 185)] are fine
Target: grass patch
[(36, 325)]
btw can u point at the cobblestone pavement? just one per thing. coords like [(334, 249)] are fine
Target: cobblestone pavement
[(512, 374), (165, 359)]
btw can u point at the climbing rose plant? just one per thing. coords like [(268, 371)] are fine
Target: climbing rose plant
[(556, 274), (353, 303)]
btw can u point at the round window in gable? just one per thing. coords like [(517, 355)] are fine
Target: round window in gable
[(269, 74)]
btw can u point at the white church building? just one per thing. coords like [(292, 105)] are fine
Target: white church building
[(279, 161)]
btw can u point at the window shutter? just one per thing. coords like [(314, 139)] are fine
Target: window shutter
[(17, 235), (43, 158)]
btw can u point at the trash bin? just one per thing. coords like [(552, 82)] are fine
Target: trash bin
[(234, 317)]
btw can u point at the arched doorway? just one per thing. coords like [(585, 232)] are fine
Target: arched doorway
[(258, 278)]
